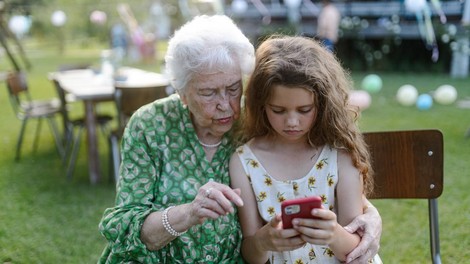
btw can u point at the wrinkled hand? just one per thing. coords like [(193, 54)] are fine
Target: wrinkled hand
[(369, 227), (318, 231), (214, 200), (272, 237)]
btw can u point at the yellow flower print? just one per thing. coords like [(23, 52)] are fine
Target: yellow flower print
[(324, 199), (280, 197), (331, 207), (240, 150), (311, 182), (271, 211), (295, 187), (330, 180), (298, 261), (321, 164), (261, 196), (268, 181), (311, 254), (328, 252), (253, 163)]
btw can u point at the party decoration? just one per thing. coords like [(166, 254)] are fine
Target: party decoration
[(438, 7), (19, 25), (360, 98), (424, 102), (415, 5), (372, 83), (407, 95), (445, 94), (239, 6), (423, 15), (58, 18), (98, 17), (263, 11)]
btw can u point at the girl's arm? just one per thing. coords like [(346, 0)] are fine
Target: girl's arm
[(349, 203), (258, 238), (250, 220)]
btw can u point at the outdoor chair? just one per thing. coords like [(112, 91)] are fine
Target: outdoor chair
[(26, 108), (409, 165), (128, 100), (72, 142)]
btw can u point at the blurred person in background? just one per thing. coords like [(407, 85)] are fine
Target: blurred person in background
[(328, 25)]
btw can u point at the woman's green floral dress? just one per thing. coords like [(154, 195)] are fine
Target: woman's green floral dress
[(162, 165)]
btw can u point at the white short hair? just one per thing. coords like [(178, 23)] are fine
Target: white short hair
[(207, 44)]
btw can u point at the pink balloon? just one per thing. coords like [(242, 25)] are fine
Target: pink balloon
[(360, 98), (98, 17)]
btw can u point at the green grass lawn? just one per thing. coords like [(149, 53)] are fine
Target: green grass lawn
[(45, 219)]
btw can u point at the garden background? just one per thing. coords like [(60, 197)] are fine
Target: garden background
[(46, 219)]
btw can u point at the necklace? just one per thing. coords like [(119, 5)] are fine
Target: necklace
[(209, 145)]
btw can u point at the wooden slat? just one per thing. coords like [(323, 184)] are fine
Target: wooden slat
[(407, 164), (135, 97)]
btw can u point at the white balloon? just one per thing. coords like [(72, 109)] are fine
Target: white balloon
[(415, 5), (239, 6), (19, 24), (445, 94), (58, 18), (407, 95)]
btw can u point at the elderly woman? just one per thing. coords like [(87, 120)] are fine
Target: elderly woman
[(173, 202)]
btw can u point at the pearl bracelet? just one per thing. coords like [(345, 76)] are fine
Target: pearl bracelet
[(166, 224)]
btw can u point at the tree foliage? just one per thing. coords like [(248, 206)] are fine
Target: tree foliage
[(24, 7)]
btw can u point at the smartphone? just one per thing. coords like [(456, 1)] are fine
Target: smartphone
[(298, 208)]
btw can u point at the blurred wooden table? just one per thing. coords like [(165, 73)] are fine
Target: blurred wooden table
[(91, 88)]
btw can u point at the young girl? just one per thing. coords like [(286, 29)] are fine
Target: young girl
[(303, 141)]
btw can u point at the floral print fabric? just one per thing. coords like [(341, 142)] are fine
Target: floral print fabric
[(270, 193), (162, 165)]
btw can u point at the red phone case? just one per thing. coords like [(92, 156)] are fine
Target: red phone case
[(298, 208)]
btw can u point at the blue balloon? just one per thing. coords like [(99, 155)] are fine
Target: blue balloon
[(424, 102)]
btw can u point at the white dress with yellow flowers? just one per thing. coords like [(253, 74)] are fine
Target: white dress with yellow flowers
[(321, 181)]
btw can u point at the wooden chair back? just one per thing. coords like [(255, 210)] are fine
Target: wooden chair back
[(410, 165), (407, 164), (16, 83), (18, 91), (129, 99)]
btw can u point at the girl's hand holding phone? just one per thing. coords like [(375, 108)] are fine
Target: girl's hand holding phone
[(272, 237), (315, 224), (298, 208), (319, 231)]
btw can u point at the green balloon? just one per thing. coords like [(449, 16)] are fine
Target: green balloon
[(372, 83)]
